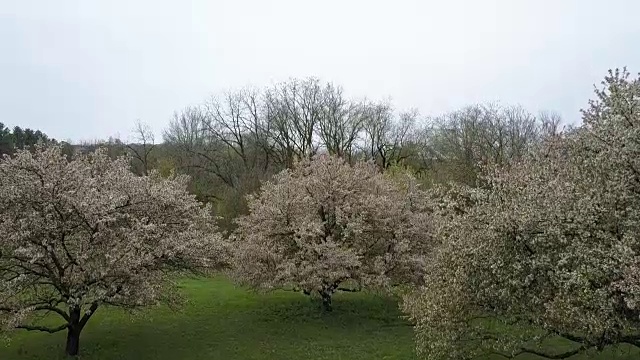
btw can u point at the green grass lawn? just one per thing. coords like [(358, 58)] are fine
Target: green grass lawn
[(225, 322)]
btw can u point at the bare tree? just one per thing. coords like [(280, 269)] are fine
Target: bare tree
[(142, 144), (225, 146), (340, 123), (256, 125), (377, 124), (507, 131), (483, 134), (236, 120), (388, 140), (293, 110), (402, 136), (199, 149), (185, 128), (550, 123)]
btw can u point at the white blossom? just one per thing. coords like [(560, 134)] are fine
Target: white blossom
[(77, 234), (550, 243), (325, 222)]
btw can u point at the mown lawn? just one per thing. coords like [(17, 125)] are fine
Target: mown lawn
[(225, 322)]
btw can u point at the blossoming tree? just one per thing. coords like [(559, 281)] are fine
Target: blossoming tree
[(551, 248), (79, 234), (324, 222)]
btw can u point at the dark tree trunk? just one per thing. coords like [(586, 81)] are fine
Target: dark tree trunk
[(326, 300), (73, 340), (73, 331)]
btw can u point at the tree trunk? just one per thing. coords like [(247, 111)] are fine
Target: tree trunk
[(326, 300), (76, 324), (73, 340)]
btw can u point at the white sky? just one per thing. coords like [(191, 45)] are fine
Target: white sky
[(88, 69)]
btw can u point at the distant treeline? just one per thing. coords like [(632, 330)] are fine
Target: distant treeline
[(17, 138), (234, 141)]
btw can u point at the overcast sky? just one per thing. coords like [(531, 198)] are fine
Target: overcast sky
[(88, 69)]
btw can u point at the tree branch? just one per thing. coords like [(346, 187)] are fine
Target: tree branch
[(563, 355), (348, 290), (54, 309), (43, 328), (87, 315)]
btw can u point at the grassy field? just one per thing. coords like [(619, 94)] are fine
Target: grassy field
[(224, 322), (228, 323)]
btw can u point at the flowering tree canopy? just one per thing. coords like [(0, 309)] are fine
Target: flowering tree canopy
[(550, 248), (78, 234), (325, 222)]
